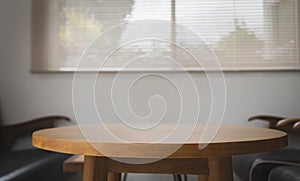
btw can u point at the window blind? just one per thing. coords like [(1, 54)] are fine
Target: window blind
[(238, 34)]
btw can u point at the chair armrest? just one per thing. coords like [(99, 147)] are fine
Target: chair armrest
[(294, 121), (271, 119), (11, 132), (289, 125), (297, 125)]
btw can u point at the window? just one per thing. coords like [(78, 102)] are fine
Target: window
[(241, 34)]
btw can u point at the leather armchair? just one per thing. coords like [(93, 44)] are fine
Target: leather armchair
[(280, 165), (29, 164), (290, 173)]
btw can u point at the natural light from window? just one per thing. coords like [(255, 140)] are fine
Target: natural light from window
[(242, 34)]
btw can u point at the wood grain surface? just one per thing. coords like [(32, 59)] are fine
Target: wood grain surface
[(229, 140)]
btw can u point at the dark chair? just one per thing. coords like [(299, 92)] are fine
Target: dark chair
[(289, 173), (268, 166), (30, 164)]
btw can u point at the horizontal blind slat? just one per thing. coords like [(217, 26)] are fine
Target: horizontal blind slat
[(238, 32)]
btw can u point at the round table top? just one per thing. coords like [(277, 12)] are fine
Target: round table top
[(229, 140)]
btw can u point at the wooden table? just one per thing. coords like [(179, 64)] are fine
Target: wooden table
[(212, 163)]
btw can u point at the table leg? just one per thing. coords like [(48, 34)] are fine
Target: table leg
[(220, 169), (101, 169), (89, 168)]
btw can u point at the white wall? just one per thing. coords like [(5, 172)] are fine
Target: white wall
[(24, 95)]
